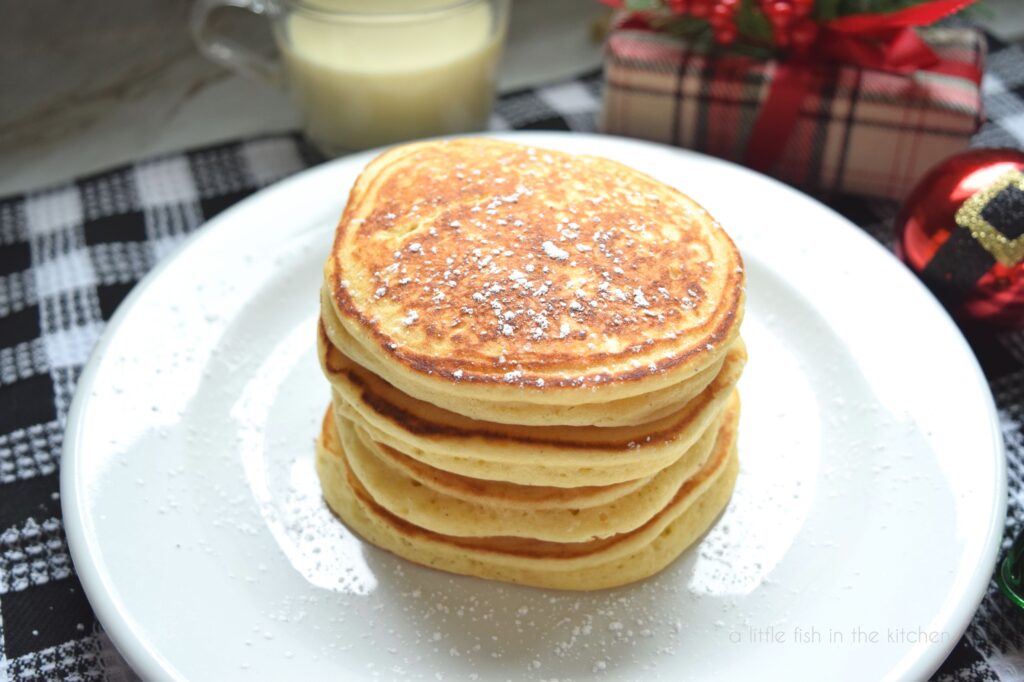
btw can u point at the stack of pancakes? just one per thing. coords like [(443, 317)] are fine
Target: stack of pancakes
[(533, 358)]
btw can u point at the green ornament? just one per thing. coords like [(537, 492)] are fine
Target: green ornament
[(1011, 572)]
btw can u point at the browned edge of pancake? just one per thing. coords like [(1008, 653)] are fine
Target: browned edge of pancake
[(525, 547), (559, 436), (489, 492)]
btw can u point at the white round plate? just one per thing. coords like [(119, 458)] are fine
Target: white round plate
[(859, 541)]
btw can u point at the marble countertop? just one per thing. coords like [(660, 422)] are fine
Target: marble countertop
[(101, 84), (89, 86)]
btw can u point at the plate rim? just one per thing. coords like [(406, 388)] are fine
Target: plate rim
[(114, 616)]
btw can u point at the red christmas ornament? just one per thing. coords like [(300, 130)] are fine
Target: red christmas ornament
[(962, 231)]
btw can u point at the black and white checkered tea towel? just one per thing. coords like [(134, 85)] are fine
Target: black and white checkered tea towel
[(70, 254)]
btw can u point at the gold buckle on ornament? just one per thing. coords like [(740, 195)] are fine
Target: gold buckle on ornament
[(1007, 251)]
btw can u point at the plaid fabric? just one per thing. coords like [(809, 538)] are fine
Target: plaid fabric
[(70, 254), (863, 132)]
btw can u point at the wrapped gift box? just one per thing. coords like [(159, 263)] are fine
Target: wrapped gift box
[(858, 131)]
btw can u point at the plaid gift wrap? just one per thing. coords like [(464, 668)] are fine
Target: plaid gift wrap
[(859, 131)]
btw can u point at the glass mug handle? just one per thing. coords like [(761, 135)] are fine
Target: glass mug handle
[(231, 53)]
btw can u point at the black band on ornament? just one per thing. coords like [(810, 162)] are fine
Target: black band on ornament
[(1004, 212), (956, 267)]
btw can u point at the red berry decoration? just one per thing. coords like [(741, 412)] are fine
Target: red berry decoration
[(791, 22), (780, 13), (725, 36), (803, 34), (790, 19), (723, 21), (721, 14), (700, 9), (678, 6)]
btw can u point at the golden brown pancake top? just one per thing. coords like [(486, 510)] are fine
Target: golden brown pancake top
[(484, 258)]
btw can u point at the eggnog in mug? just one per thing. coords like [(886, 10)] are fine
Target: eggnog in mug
[(370, 73)]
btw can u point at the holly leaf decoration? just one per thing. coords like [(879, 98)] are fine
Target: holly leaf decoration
[(752, 24), (643, 5), (825, 10), (688, 27)]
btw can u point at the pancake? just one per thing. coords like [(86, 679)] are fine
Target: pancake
[(550, 456), (490, 277), (533, 359), (501, 494), (427, 508), (596, 564), (622, 412)]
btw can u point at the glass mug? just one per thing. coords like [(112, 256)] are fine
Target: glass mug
[(365, 73)]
